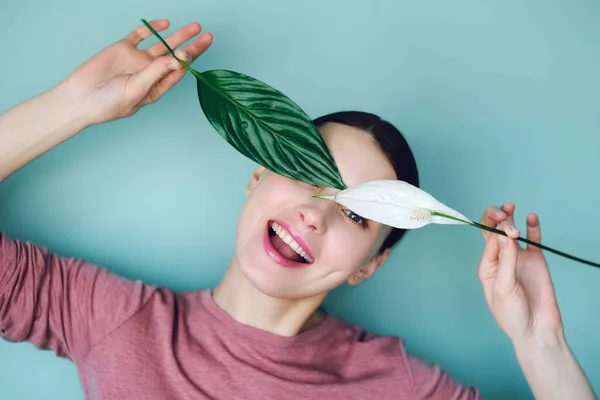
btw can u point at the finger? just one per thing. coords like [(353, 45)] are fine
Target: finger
[(509, 209), (199, 46), (165, 84), (510, 229), (492, 217), (168, 81), (534, 233), (506, 277), (175, 40), (488, 267), (142, 82), (142, 32)]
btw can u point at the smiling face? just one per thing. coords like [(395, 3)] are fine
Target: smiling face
[(292, 245)]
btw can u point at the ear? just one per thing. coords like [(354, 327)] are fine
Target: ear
[(369, 269), (254, 179)]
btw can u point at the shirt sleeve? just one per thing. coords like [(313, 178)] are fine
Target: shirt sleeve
[(61, 304), (430, 382)]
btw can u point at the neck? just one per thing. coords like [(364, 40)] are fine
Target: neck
[(248, 305)]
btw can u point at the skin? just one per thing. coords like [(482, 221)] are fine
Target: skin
[(121, 79), (343, 244)]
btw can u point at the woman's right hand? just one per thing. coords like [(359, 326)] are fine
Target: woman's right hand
[(520, 294), (120, 79), (516, 281)]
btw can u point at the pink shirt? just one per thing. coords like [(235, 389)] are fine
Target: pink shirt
[(129, 340)]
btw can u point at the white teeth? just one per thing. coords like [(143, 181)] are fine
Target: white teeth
[(287, 238)]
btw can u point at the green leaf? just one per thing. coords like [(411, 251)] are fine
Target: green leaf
[(264, 125)]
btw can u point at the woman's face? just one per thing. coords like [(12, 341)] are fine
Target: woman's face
[(329, 244)]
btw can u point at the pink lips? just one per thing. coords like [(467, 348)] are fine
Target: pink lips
[(295, 236), (274, 254)]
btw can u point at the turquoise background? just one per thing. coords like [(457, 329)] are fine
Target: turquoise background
[(499, 101)]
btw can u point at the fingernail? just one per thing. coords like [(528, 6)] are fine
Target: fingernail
[(499, 213), (174, 65), (183, 55)]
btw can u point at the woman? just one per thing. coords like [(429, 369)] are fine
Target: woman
[(259, 333)]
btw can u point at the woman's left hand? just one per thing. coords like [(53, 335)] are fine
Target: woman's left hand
[(516, 281)]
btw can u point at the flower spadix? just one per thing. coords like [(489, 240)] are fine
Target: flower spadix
[(397, 204)]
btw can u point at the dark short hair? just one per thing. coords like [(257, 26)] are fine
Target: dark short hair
[(392, 144)]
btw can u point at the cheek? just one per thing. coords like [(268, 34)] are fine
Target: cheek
[(273, 194), (275, 191), (347, 250)]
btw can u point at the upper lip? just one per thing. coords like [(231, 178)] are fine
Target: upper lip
[(295, 236)]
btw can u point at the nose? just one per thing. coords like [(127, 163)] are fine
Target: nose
[(314, 216)]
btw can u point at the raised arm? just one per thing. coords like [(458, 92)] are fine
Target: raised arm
[(113, 84), (62, 304), (520, 294)]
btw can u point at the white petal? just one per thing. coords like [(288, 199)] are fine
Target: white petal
[(387, 213), (394, 203)]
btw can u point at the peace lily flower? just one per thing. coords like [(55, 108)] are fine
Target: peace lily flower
[(396, 203), (401, 205)]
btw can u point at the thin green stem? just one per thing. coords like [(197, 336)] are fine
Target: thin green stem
[(192, 70), (440, 214), (499, 232)]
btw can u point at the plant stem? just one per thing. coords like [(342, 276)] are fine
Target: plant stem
[(499, 232), (192, 70)]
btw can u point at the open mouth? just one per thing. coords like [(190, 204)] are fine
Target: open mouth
[(284, 248)]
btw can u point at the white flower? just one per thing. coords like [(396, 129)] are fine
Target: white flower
[(397, 204)]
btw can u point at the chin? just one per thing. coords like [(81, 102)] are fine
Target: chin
[(282, 283)]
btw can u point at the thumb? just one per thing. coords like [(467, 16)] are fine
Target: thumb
[(143, 81), (488, 267), (507, 265)]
